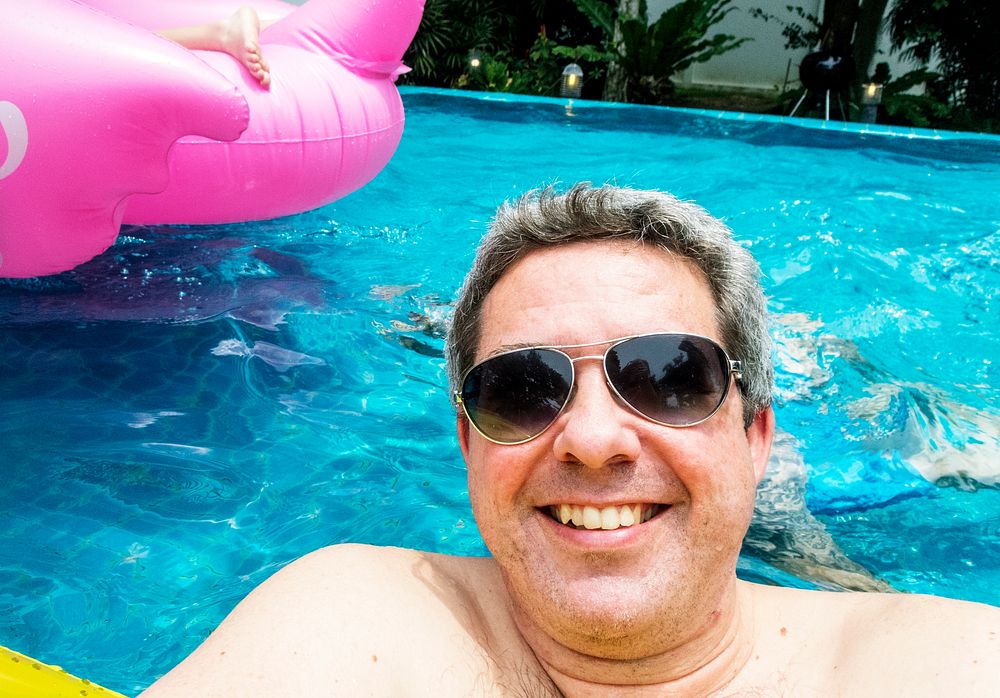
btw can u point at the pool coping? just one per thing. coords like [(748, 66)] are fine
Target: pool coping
[(910, 133)]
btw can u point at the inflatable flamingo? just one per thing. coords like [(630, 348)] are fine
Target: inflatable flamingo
[(103, 122)]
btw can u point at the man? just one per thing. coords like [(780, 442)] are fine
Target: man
[(610, 359)]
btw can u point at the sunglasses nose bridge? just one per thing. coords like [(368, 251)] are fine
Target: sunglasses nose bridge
[(604, 375), (590, 357)]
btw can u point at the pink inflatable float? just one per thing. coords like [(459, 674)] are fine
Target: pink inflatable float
[(103, 122)]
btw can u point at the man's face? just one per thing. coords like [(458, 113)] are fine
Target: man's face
[(632, 584)]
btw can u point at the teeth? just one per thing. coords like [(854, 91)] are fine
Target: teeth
[(591, 518), (627, 516), (608, 518)]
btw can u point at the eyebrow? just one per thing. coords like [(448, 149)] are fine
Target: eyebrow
[(504, 348)]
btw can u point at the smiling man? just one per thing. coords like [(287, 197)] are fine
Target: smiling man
[(610, 362)]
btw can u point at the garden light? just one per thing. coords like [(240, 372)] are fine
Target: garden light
[(475, 59), (572, 81), (871, 97)]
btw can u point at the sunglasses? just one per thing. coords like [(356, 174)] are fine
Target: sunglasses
[(673, 379)]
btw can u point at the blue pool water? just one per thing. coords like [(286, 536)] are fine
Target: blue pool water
[(198, 406)]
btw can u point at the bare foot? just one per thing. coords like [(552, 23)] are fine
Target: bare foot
[(240, 38)]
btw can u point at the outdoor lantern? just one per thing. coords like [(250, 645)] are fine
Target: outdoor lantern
[(572, 81), (475, 59), (871, 97)]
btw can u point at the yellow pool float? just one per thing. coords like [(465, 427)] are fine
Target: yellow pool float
[(24, 677)]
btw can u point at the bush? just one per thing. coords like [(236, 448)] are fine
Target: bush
[(449, 29), (647, 55), (961, 36), (540, 73)]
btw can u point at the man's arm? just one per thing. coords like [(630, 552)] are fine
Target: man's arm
[(340, 621)]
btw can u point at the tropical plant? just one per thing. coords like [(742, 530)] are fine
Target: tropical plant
[(449, 30), (961, 36), (540, 73), (900, 105), (649, 54), (497, 75), (548, 59), (506, 30)]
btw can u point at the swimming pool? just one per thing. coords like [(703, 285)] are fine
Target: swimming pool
[(197, 407)]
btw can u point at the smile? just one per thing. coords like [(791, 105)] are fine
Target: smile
[(607, 518)]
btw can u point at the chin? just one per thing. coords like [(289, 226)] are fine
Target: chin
[(612, 630), (617, 616), (600, 608)]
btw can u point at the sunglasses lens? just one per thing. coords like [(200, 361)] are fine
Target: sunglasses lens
[(677, 380), (513, 397)]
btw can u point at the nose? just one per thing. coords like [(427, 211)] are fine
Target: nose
[(594, 429)]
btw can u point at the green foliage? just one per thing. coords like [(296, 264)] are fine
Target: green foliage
[(540, 73), (601, 15), (432, 39), (449, 29), (512, 39), (962, 36), (649, 54), (496, 75), (927, 109)]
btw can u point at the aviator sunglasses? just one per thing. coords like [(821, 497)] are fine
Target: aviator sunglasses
[(673, 379)]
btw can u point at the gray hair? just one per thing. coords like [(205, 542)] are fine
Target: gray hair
[(544, 218)]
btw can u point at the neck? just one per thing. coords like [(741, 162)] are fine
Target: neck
[(703, 662)]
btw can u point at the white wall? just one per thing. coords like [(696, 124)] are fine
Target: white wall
[(763, 62)]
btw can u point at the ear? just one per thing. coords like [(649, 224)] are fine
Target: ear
[(760, 434), (462, 429)]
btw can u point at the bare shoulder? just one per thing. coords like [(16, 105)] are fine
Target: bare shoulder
[(359, 619), (365, 565), (930, 645), (887, 644)]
